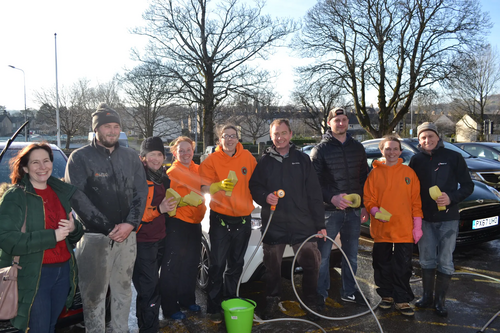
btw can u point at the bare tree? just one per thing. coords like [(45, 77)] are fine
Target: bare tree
[(395, 47), (149, 94), (475, 79), (207, 47), (74, 111), (317, 96), (250, 114)]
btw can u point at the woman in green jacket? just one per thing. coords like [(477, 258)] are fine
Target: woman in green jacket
[(48, 279)]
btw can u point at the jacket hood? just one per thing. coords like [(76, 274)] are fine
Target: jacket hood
[(381, 164), (328, 136), (239, 151), (271, 151)]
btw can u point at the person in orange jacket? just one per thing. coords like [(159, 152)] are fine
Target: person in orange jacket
[(225, 175), (395, 188), (151, 236), (183, 242)]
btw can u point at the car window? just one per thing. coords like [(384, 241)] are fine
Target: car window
[(450, 146), (58, 168)]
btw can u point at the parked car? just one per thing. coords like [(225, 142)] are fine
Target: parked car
[(488, 150), (481, 169), (208, 150), (479, 213), (256, 268), (307, 149), (75, 313)]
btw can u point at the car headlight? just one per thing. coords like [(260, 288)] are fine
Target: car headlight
[(494, 191), (256, 223), (475, 176)]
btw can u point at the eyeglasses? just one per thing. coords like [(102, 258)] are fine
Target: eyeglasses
[(227, 136)]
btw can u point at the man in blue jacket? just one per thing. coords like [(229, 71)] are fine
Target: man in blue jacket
[(298, 215), (109, 202), (437, 166)]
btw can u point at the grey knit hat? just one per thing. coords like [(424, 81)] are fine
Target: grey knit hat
[(103, 115), (427, 126)]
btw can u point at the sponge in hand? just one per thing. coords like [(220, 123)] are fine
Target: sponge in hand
[(171, 193), (354, 198), (435, 193), (383, 215)]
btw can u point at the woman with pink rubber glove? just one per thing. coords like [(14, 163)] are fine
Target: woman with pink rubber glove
[(396, 188)]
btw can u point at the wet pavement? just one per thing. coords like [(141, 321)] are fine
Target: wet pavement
[(471, 302)]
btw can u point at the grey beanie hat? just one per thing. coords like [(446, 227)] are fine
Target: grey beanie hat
[(427, 126), (151, 144), (103, 115)]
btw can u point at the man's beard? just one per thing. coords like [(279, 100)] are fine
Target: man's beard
[(108, 144)]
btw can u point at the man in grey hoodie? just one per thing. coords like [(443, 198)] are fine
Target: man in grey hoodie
[(109, 202)]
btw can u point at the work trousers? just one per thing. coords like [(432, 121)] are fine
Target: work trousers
[(392, 270), (179, 267), (309, 258), (104, 263), (228, 244), (145, 278)]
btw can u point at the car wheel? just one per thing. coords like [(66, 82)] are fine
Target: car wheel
[(204, 264)]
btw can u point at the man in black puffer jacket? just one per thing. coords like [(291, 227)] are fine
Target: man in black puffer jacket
[(298, 215), (340, 162)]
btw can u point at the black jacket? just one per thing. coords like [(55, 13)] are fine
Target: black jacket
[(300, 213), (112, 188), (446, 169), (341, 167)]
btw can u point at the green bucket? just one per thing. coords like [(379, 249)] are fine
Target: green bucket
[(238, 314)]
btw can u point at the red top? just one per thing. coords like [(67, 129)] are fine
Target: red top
[(54, 212)]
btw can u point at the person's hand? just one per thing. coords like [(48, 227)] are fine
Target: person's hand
[(167, 205), (61, 233), (364, 215), (70, 224), (121, 232), (322, 234), (272, 199), (443, 200), (224, 185), (417, 229), (339, 201)]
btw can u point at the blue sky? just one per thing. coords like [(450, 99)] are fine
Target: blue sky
[(93, 42)]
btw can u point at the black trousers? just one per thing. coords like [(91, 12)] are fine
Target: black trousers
[(180, 266), (228, 244), (309, 258), (392, 269), (145, 278)]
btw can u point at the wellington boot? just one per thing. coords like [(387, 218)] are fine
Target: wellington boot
[(442, 284), (271, 307), (427, 300)]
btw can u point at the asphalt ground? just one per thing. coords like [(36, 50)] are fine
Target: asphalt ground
[(471, 302)]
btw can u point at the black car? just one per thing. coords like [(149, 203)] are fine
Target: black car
[(488, 150), (479, 213)]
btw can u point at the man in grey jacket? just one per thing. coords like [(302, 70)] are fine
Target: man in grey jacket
[(109, 202)]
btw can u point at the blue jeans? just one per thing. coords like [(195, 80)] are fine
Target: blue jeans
[(348, 223), (437, 245), (49, 301)]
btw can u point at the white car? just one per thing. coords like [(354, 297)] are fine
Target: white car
[(256, 268)]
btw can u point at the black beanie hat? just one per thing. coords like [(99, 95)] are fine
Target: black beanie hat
[(103, 115), (151, 144)]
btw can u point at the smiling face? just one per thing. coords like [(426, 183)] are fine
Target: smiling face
[(391, 151), (39, 168), (428, 140), (154, 160), (184, 153), (229, 140), (281, 135), (108, 134), (339, 124)]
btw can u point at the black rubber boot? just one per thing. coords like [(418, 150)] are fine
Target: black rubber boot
[(442, 284), (427, 300), (271, 307)]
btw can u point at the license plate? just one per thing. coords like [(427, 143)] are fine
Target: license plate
[(483, 223)]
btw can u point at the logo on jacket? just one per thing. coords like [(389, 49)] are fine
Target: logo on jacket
[(101, 174), (407, 180), (244, 170)]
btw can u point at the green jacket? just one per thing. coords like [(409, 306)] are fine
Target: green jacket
[(31, 245)]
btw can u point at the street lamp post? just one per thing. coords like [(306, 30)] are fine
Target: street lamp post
[(25, 110)]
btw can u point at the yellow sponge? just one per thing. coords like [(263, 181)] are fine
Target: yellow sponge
[(234, 179), (383, 215), (435, 193), (170, 193), (354, 198)]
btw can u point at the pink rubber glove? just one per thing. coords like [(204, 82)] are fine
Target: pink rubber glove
[(374, 211), (417, 229)]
